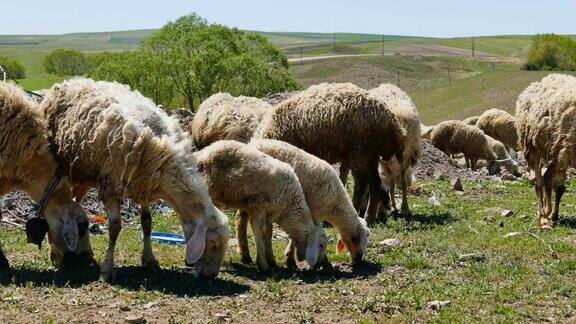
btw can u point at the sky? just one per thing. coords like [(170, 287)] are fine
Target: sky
[(440, 18)]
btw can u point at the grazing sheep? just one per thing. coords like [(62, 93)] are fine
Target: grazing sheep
[(112, 138), (471, 120), (325, 195), (224, 117), (27, 164), (340, 123), (390, 171), (454, 137), (545, 120), (501, 126), (503, 156), (268, 191), (425, 131)]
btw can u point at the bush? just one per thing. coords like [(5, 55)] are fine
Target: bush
[(66, 62), (13, 68), (551, 52)]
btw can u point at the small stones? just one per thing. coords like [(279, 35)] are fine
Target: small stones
[(457, 185), (434, 201), (438, 304), (135, 319), (506, 213), (478, 257), (512, 234), (391, 242)]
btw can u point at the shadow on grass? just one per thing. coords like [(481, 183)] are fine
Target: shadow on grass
[(568, 222), (364, 270), (174, 281), (417, 221)]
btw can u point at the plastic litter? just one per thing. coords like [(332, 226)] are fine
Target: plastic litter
[(168, 238)]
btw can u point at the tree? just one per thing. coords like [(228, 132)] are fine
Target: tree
[(13, 68), (66, 62), (551, 52), (202, 59)]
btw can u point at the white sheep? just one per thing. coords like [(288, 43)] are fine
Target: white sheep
[(340, 123), (224, 117), (325, 195), (112, 138), (27, 164), (501, 126), (268, 191), (545, 121)]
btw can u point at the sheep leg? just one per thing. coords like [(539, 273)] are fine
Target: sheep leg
[(344, 170), (559, 192), (474, 164), (79, 192), (258, 223), (289, 253), (114, 227), (360, 183), (392, 194), (406, 179), (4, 264), (269, 251), (374, 184), (242, 218), (538, 187), (148, 259)]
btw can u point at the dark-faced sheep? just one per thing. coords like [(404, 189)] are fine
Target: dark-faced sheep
[(112, 138), (27, 164), (340, 123), (546, 124)]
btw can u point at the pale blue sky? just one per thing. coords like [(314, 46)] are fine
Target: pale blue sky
[(401, 17)]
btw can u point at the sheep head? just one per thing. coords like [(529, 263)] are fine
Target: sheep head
[(356, 241)]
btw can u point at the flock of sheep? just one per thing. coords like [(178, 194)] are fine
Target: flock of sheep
[(273, 164)]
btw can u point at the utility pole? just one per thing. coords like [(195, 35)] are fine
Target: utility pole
[(473, 46), (300, 54), (334, 42), (382, 44)]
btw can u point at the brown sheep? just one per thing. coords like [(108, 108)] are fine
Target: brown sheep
[(340, 123), (501, 126)]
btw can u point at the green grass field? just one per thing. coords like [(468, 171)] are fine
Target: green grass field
[(527, 277)]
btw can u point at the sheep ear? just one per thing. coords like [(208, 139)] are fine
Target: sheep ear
[(340, 246), (70, 231), (196, 244), (313, 249)]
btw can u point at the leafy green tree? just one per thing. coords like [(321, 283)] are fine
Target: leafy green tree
[(137, 69), (551, 52), (66, 62), (202, 59), (13, 68)]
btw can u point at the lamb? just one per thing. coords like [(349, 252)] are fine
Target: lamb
[(325, 195), (471, 120), (267, 191), (454, 137), (545, 114), (390, 171), (224, 117), (340, 123), (501, 126), (27, 164), (503, 156), (112, 138)]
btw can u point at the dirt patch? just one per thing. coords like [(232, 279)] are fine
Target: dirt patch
[(435, 164)]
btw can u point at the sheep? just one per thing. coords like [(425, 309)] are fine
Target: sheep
[(405, 111), (545, 114), (340, 123), (501, 126), (325, 195), (27, 164), (267, 191), (503, 156), (425, 131), (107, 136), (453, 137), (471, 120), (224, 117)]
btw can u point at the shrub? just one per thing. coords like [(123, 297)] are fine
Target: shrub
[(66, 62), (13, 68), (551, 52)]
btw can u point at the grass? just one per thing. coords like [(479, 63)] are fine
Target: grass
[(519, 279)]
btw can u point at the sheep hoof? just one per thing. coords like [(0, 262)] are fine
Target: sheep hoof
[(246, 260), (291, 263), (263, 268), (152, 265), (107, 275)]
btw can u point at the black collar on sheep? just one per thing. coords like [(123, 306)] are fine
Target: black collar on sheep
[(37, 227)]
